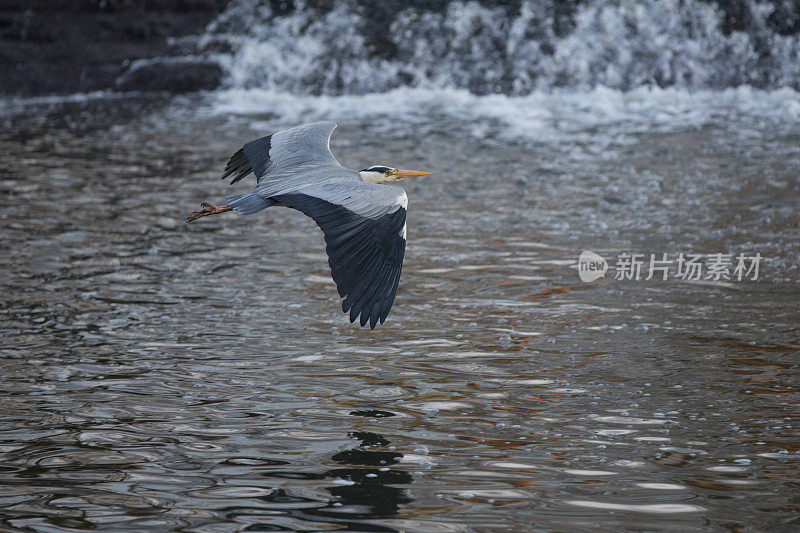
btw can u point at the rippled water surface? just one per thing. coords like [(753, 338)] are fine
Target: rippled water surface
[(164, 376)]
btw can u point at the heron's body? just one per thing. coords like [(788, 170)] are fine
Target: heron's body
[(364, 223)]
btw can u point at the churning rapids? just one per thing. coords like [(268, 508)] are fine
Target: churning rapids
[(357, 47), (158, 376)]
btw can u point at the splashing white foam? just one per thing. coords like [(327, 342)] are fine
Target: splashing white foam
[(544, 44), (540, 116)]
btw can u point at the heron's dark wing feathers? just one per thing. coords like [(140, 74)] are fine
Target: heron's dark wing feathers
[(301, 145), (238, 166), (364, 227)]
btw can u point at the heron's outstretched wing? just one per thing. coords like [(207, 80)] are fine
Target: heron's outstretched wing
[(365, 231), (308, 143)]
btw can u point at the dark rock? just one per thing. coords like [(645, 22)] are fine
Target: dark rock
[(180, 76), (72, 46)]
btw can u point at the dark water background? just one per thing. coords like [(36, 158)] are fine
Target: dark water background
[(164, 376)]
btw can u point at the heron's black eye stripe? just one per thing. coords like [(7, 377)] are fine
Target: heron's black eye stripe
[(377, 168)]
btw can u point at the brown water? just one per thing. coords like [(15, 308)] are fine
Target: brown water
[(163, 376)]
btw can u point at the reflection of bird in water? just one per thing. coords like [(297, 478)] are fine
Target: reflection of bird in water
[(364, 223), (371, 491)]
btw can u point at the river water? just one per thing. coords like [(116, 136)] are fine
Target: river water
[(162, 376)]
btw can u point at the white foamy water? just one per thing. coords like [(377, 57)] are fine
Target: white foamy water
[(13, 104), (541, 44), (597, 71), (540, 116)]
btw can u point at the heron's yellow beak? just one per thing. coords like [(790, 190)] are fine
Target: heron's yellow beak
[(400, 173)]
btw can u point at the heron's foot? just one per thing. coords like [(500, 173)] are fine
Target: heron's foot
[(208, 209)]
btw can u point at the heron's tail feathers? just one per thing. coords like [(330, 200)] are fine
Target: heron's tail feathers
[(247, 204)]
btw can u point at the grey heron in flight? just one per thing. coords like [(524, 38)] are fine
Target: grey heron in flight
[(364, 221)]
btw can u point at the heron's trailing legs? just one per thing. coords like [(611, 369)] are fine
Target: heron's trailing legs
[(208, 209)]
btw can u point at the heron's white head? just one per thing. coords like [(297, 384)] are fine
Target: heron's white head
[(382, 174)]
